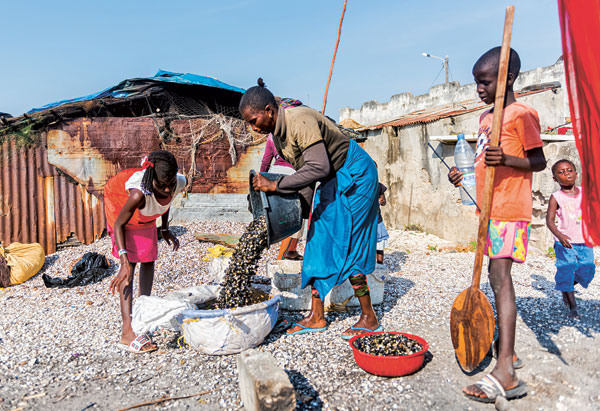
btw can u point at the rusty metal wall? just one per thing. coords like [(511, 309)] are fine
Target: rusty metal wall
[(45, 191), (39, 204), (91, 150)]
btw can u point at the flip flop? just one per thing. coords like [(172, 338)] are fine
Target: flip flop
[(492, 388), (366, 330), (304, 330), (136, 346)]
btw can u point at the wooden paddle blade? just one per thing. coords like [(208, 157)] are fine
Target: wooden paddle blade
[(471, 327)]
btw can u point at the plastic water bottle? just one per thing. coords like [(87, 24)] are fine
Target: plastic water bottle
[(464, 158)]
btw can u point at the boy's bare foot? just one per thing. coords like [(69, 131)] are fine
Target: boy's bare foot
[(565, 300), (307, 322), (573, 314)]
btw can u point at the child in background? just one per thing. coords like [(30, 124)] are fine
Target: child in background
[(382, 234), (574, 259), (133, 200), (518, 154)]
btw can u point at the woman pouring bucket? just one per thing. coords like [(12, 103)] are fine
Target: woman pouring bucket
[(342, 236)]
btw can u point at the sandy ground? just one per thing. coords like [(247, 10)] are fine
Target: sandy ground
[(57, 346)]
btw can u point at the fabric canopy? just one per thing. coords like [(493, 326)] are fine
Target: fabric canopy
[(580, 26)]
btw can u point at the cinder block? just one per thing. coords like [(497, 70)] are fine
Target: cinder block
[(263, 385)]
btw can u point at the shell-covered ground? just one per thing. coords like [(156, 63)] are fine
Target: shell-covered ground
[(58, 351)]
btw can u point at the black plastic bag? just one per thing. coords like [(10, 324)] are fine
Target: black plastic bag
[(89, 269)]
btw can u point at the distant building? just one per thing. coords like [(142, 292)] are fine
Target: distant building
[(419, 195)]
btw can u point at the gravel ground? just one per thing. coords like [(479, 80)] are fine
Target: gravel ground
[(57, 346)]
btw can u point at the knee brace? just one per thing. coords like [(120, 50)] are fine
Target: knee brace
[(360, 285), (314, 292)]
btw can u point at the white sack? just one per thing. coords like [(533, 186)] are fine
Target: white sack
[(221, 332), (151, 313)]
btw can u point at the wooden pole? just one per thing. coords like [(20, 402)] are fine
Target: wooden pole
[(333, 59), (488, 191)]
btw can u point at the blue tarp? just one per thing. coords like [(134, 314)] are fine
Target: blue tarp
[(121, 89)]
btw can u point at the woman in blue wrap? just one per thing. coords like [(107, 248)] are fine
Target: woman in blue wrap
[(342, 236)]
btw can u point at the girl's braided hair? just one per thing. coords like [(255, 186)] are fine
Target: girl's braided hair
[(160, 165)]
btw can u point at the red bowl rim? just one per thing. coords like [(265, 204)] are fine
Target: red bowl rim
[(420, 340)]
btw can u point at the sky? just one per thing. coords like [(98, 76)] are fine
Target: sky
[(64, 49)]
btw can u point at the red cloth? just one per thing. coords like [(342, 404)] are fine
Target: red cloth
[(580, 27)]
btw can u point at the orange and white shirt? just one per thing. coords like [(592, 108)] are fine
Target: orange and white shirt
[(512, 200), (116, 193)]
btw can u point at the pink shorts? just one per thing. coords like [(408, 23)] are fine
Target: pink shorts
[(508, 239), (141, 244)]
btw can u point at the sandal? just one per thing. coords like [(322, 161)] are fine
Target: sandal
[(137, 345), (492, 388), (304, 329), (364, 330)]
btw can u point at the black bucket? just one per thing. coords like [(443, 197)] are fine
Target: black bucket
[(283, 211)]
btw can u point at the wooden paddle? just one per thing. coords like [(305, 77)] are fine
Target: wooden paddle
[(472, 318)]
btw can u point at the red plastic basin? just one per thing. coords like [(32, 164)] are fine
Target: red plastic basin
[(388, 366)]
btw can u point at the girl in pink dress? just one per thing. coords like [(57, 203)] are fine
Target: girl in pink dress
[(133, 200)]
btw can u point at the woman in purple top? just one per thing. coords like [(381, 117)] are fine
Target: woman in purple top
[(278, 164), (287, 248)]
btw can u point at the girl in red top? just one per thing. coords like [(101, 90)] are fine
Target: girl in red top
[(133, 200)]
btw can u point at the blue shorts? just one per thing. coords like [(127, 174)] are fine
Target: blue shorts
[(573, 264)]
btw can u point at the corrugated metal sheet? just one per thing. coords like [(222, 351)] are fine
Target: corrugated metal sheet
[(39, 204), (45, 192), (431, 114)]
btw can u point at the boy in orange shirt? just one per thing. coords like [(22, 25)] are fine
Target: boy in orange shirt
[(517, 156)]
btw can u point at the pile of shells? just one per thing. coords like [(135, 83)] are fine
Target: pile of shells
[(236, 291), (387, 345)]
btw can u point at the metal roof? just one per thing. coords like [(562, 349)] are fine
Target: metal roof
[(431, 114)]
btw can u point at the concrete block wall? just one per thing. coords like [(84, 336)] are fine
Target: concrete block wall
[(373, 112), (211, 207)]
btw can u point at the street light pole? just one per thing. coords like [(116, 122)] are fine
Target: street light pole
[(443, 60), (446, 68)]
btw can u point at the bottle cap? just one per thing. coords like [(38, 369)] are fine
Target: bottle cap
[(461, 136)]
